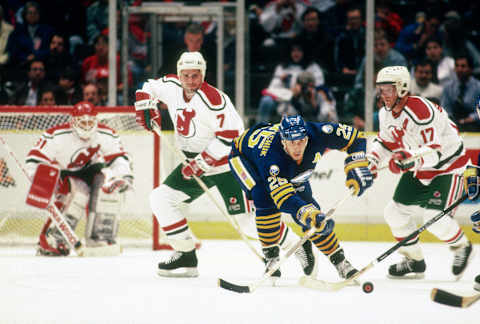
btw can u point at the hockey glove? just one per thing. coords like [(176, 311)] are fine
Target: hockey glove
[(116, 183), (146, 110), (359, 177), (373, 163), (471, 182), (310, 216), (476, 221), (198, 166), (398, 162)]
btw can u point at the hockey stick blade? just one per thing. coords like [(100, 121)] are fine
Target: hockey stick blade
[(233, 287), (446, 298)]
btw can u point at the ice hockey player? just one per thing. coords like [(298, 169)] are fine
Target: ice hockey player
[(471, 178), (422, 144), (205, 123), (273, 163), (94, 172)]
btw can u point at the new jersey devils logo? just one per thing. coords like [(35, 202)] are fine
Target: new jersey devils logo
[(81, 157), (397, 135), (185, 126)]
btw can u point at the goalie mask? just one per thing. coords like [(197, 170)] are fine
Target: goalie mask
[(84, 120), (192, 61)]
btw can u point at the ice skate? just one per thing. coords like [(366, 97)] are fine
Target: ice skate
[(462, 255), (306, 256), (343, 266), (272, 256), (476, 285), (407, 269), (180, 264)]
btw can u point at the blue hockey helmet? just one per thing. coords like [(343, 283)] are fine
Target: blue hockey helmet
[(293, 128)]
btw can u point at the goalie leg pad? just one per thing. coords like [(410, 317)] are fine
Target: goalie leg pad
[(75, 202), (43, 186), (102, 222)]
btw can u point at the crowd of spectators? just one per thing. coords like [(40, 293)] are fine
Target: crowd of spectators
[(305, 56), (437, 40)]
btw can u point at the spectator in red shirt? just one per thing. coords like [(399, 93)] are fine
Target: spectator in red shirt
[(99, 62)]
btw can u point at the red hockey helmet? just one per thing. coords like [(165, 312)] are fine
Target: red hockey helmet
[(84, 119)]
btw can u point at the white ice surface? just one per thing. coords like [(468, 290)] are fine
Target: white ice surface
[(126, 289)]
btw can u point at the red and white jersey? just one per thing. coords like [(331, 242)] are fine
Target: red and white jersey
[(61, 147), (421, 124), (208, 122)]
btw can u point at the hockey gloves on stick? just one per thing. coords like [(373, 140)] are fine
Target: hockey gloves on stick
[(198, 166), (475, 218), (359, 177), (310, 216), (146, 110), (471, 182), (399, 164), (373, 163), (116, 183)]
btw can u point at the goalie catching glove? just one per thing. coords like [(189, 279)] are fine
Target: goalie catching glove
[(310, 216), (121, 184), (198, 166), (359, 177), (471, 182), (146, 110)]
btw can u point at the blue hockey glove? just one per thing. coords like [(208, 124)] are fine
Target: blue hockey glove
[(310, 216), (471, 182), (358, 174), (475, 218)]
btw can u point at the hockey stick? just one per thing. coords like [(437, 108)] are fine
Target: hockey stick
[(446, 298), (253, 286), (334, 286), (56, 215), (202, 184)]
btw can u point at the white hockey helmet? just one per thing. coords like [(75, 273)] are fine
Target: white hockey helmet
[(191, 61), (84, 119), (397, 76)]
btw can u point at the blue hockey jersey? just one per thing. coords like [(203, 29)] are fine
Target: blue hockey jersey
[(272, 178)]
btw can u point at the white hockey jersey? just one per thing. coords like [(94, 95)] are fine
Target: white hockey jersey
[(208, 122), (61, 147), (422, 124)]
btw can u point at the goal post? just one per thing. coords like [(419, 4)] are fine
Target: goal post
[(22, 126)]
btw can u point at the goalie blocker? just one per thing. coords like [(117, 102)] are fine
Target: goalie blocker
[(43, 186)]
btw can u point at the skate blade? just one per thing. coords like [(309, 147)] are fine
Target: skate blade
[(178, 273), (407, 276)]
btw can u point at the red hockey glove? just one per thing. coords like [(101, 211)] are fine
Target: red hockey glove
[(198, 166), (373, 163), (399, 164), (146, 110)]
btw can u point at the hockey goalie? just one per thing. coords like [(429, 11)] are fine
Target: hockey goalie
[(82, 168)]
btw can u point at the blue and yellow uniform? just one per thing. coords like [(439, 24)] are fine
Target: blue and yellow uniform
[(277, 183)]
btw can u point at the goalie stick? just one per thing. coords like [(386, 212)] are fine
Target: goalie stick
[(56, 215), (253, 286), (202, 184), (446, 298), (334, 286)]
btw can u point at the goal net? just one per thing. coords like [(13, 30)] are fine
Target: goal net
[(21, 127)]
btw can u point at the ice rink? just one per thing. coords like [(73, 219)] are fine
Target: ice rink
[(126, 289)]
